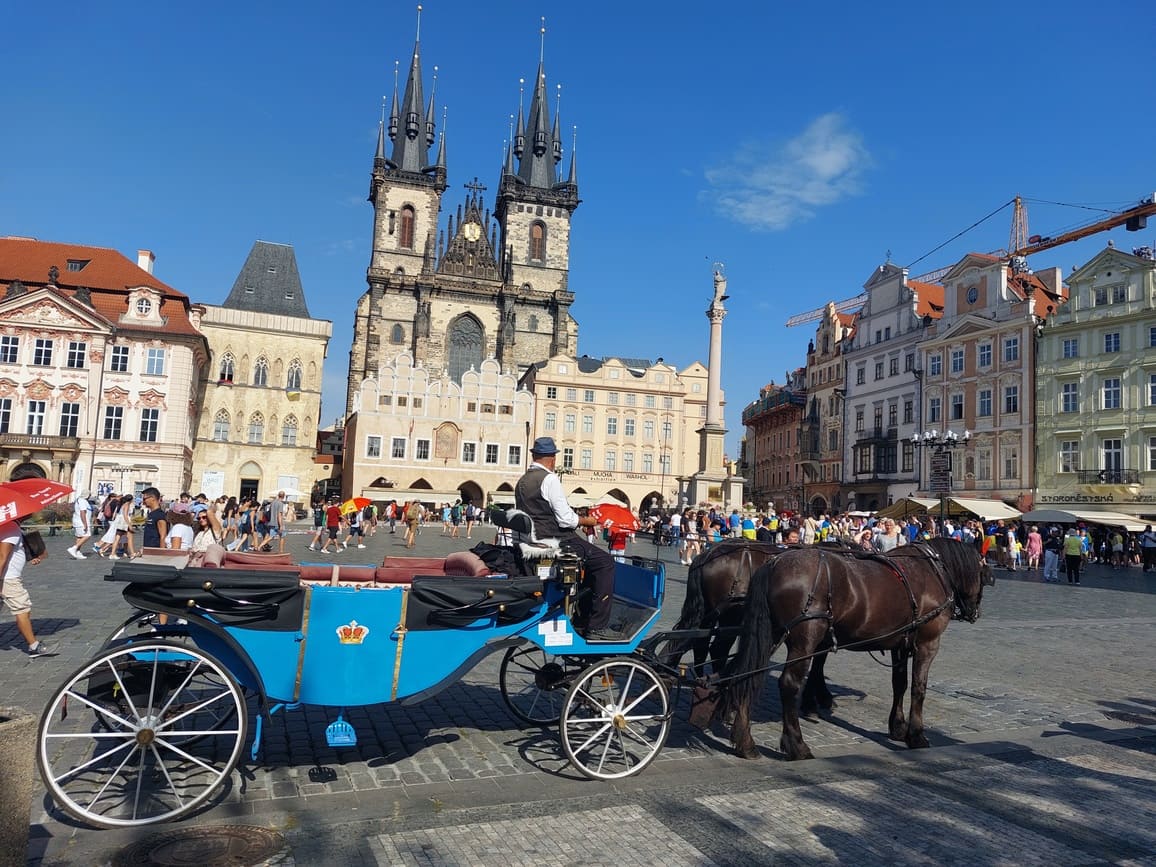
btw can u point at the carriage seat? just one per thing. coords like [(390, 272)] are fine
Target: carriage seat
[(401, 570), (520, 524)]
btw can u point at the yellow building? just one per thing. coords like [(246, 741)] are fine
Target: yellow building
[(262, 391), (624, 427)]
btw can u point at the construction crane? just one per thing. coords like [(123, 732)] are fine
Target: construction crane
[(1133, 219)]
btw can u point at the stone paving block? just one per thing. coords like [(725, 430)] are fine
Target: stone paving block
[(626, 836), (868, 823)]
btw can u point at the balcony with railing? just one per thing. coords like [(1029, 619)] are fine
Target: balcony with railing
[(877, 434), (39, 441), (1109, 477)]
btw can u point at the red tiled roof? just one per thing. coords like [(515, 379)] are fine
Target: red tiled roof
[(930, 298), (109, 274), (28, 260)]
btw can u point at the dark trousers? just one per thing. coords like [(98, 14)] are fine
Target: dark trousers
[(599, 573), (1149, 554), (1073, 562)]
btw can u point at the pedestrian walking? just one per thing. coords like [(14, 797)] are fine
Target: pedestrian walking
[(13, 559), (1148, 548), (81, 525), (1073, 555)]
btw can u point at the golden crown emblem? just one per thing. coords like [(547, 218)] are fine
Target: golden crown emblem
[(352, 632)]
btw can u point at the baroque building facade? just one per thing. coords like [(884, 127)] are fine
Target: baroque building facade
[(491, 283), (99, 365), (978, 364), (1096, 393), (884, 387), (625, 428), (821, 466), (261, 392)]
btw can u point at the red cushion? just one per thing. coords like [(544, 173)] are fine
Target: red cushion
[(399, 574), (249, 558), (419, 565), (466, 563), (316, 573)]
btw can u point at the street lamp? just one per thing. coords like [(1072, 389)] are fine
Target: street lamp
[(940, 447)]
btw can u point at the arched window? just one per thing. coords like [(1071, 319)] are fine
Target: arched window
[(261, 372), (293, 379), (289, 431), (221, 426), (397, 334), (537, 242), (466, 342), (407, 221), (256, 428), (228, 365)]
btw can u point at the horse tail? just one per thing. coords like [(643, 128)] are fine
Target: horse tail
[(745, 674), (694, 606)]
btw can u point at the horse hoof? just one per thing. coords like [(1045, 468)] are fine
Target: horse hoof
[(828, 704), (898, 733), (918, 742), (748, 753)]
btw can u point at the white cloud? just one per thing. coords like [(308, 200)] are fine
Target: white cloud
[(770, 186)]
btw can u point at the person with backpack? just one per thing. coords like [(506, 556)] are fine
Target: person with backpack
[(413, 514), (318, 525), (354, 529), (455, 518)]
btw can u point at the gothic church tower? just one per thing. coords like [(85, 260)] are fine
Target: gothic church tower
[(486, 286)]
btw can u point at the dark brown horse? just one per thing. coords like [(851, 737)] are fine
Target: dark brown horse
[(716, 592), (816, 600)]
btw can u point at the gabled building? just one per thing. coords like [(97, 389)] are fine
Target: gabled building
[(883, 387), (99, 367), (821, 430), (1096, 389), (262, 390), (978, 364)]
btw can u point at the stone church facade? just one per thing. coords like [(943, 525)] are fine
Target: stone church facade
[(493, 281)]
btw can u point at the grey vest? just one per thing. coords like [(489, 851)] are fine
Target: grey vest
[(528, 497)]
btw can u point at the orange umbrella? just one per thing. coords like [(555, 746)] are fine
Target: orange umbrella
[(354, 504), (618, 516), (28, 496)]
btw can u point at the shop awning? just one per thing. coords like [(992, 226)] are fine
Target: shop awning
[(988, 510), (908, 506), (1089, 516)]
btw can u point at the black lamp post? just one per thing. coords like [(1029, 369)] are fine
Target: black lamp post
[(940, 446)]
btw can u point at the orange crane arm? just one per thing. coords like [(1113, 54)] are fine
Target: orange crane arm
[(1135, 218)]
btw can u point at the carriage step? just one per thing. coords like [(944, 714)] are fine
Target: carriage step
[(339, 733)]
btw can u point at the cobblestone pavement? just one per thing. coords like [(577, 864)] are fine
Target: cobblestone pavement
[(1043, 714)]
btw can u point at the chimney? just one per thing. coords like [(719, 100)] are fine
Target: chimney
[(145, 260)]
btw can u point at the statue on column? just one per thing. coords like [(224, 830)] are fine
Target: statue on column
[(720, 285)]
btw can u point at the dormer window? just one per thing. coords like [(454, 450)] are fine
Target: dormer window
[(144, 307), (77, 264)]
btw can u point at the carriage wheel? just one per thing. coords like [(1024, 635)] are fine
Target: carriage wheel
[(615, 718), (142, 733), (533, 684), (138, 625)]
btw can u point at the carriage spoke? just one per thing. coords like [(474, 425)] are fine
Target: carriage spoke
[(124, 692), (636, 702), (179, 689), (585, 744), (186, 756), (163, 726), (168, 779), (605, 750), (103, 711), (72, 772), (153, 679), (108, 782), (139, 783)]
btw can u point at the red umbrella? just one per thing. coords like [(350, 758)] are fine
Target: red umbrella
[(28, 496), (354, 504), (619, 516)]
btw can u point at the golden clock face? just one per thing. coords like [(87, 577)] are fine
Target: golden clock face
[(472, 231)]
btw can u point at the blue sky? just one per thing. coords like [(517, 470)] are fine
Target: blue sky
[(797, 143)]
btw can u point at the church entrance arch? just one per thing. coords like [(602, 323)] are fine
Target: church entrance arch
[(250, 480), (27, 470)]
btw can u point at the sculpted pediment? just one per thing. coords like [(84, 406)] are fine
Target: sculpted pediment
[(966, 326), (46, 309)]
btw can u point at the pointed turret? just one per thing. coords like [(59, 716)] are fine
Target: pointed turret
[(536, 167), (411, 146), (429, 113), (393, 118), (520, 134)]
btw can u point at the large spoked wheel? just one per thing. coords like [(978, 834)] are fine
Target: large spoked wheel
[(142, 733), (534, 684), (615, 719)]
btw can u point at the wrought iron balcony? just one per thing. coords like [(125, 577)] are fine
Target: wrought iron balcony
[(1109, 477)]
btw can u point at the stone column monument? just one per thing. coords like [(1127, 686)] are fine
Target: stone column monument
[(714, 482)]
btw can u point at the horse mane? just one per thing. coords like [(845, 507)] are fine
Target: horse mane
[(958, 559)]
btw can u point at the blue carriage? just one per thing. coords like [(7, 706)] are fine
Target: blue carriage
[(153, 725)]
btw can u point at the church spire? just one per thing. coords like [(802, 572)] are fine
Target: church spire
[(414, 135), (536, 162)]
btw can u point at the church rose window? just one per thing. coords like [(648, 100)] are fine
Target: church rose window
[(465, 346)]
